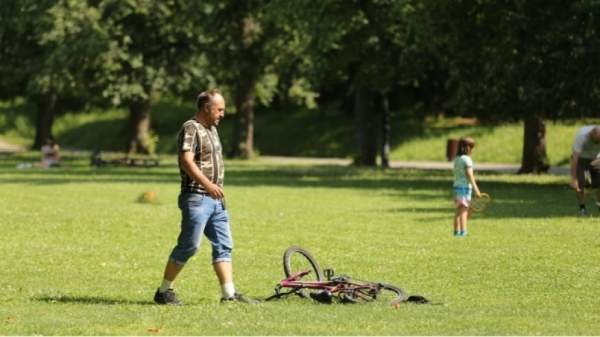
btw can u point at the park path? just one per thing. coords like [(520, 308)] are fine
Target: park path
[(423, 165), (9, 148)]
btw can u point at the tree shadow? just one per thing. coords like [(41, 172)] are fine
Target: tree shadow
[(106, 135), (510, 199), (409, 129), (89, 300)]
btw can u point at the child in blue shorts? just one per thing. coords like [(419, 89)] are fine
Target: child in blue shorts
[(464, 184)]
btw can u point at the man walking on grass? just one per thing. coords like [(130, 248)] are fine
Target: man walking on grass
[(202, 200), (585, 158)]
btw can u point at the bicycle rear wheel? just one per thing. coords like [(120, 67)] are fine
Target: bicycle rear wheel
[(377, 292), (391, 294), (297, 259)]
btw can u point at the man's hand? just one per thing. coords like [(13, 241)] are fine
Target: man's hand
[(477, 193), (575, 185), (214, 191)]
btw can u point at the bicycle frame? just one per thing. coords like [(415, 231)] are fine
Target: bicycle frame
[(342, 285)]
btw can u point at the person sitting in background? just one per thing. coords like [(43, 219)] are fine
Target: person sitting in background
[(50, 153)]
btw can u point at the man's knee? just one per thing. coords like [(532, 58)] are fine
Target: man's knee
[(182, 254), (222, 252)]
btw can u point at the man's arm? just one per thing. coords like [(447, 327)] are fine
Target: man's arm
[(574, 159), (190, 167)]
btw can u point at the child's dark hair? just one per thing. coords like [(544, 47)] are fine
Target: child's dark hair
[(465, 145)]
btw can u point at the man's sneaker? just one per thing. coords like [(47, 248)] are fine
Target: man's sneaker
[(582, 212), (238, 298), (168, 297)]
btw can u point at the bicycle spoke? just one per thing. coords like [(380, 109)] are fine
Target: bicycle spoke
[(363, 294), (390, 294)]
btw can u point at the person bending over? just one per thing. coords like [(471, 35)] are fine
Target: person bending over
[(586, 148)]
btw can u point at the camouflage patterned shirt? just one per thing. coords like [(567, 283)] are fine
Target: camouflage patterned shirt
[(208, 155)]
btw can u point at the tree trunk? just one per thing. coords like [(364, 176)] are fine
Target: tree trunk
[(384, 148), (365, 126), (46, 105), (535, 158), (139, 128), (243, 132)]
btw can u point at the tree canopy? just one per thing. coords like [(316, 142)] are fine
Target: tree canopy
[(493, 60)]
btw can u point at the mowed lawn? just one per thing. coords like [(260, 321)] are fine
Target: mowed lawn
[(80, 256)]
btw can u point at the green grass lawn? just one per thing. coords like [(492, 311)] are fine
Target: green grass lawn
[(82, 257)]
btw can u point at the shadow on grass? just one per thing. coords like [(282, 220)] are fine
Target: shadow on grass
[(113, 135), (89, 300), (510, 199)]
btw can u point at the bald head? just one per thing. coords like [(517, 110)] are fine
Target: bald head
[(210, 107)]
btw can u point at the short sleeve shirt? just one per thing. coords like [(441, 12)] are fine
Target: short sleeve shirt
[(208, 155), (461, 163), (584, 145)]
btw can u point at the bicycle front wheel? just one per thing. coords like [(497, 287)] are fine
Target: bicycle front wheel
[(390, 294), (297, 259), (376, 292)]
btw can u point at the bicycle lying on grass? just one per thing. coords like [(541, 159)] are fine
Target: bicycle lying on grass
[(304, 273)]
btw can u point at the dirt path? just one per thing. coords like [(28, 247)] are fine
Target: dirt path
[(424, 165), (9, 148)]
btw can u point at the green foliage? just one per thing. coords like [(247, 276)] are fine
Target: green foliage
[(301, 93), (61, 42), (151, 49), (522, 57), (497, 61), (72, 40), (245, 47), (381, 44), (90, 256), (16, 118)]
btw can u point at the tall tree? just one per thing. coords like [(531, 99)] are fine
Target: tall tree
[(59, 41), (521, 59), (153, 49), (372, 46), (240, 36)]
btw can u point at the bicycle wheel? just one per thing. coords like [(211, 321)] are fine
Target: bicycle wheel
[(377, 292), (297, 259), (390, 294)]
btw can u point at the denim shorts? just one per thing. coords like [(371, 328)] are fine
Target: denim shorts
[(201, 214), (462, 196)]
